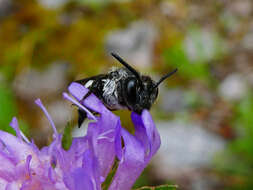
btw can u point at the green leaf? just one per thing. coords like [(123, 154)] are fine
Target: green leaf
[(176, 57), (7, 108), (67, 137), (161, 187), (110, 176)]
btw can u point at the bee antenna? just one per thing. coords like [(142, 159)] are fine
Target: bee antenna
[(126, 65), (164, 77)]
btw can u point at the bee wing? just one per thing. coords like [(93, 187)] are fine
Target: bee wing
[(87, 82), (93, 78)]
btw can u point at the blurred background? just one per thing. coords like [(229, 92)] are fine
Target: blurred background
[(204, 112)]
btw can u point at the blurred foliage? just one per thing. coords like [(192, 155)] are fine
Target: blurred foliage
[(8, 110), (177, 57), (37, 36), (236, 162), (7, 107), (162, 187), (109, 178), (143, 179), (205, 48), (193, 36)]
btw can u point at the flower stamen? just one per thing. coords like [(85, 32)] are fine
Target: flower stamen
[(39, 103), (66, 96), (19, 133)]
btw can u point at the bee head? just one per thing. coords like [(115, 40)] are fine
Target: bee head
[(139, 92), (139, 95)]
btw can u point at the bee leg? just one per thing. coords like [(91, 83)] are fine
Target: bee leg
[(86, 95), (82, 115)]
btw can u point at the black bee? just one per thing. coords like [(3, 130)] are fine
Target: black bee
[(122, 88)]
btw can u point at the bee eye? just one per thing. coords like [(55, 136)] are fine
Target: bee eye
[(131, 90)]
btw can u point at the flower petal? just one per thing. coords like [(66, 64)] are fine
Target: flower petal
[(152, 133), (137, 152), (81, 180), (131, 164), (3, 183), (90, 158), (17, 149), (147, 133), (102, 132), (118, 142), (103, 148), (91, 166), (92, 102)]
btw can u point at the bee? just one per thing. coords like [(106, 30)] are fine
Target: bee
[(122, 88)]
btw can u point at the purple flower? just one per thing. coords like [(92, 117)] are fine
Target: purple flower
[(89, 160)]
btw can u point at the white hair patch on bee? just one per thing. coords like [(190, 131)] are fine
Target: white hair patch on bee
[(113, 69), (110, 92), (88, 84), (122, 74), (109, 86)]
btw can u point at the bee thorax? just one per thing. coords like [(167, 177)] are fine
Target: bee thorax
[(111, 89)]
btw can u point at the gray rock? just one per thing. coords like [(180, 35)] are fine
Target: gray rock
[(230, 21), (233, 87), (185, 147), (242, 8), (61, 112), (134, 43), (169, 8), (5, 6), (247, 41), (203, 45), (33, 83), (172, 100), (52, 4)]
